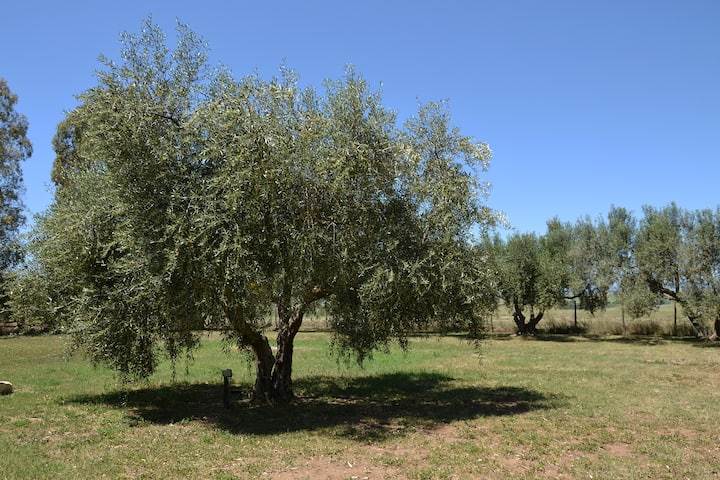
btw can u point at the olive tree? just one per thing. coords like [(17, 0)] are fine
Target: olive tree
[(15, 148), (569, 262), (702, 272), (620, 232), (586, 259), (529, 280), (676, 252), (197, 200)]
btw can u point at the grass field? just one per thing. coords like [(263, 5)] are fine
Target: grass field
[(554, 407), (560, 320), (605, 322)]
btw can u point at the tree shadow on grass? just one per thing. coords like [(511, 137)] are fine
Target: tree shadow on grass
[(363, 408)]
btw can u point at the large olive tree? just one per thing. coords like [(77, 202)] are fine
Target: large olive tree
[(196, 201)]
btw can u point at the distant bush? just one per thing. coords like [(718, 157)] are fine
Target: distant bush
[(564, 328), (645, 327), (606, 327)]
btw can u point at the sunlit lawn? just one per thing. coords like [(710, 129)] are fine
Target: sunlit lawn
[(514, 408)]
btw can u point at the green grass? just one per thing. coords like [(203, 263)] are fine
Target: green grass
[(604, 322), (517, 408)]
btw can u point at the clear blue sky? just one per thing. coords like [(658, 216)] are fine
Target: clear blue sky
[(585, 104)]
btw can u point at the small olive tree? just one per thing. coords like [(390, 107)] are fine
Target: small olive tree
[(702, 272), (619, 233), (583, 258), (529, 280), (677, 255), (569, 262), (191, 201)]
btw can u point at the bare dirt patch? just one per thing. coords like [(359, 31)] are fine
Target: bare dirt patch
[(514, 464), (564, 461), (327, 468), (685, 433), (618, 449)]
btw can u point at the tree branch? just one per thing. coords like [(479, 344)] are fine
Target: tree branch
[(168, 117)]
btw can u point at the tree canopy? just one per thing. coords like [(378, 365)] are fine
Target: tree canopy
[(191, 200)]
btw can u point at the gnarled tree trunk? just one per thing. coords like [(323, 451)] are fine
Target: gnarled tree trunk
[(282, 389), (273, 381), (676, 296), (519, 319), (532, 324), (260, 346), (263, 369), (700, 330), (523, 327)]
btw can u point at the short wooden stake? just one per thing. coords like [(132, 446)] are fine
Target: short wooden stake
[(227, 375)]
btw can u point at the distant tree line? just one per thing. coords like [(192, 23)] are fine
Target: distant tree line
[(666, 254), (15, 148)]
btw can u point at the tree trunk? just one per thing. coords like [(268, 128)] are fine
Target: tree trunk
[(282, 368), (674, 295), (272, 372), (700, 330), (262, 390), (260, 346), (677, 293), (717, 328), (519, 319), (531, 327), (273, 380)]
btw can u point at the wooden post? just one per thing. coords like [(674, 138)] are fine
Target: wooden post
[(622, 312), (575, 313), (677, 290), (227, 375)]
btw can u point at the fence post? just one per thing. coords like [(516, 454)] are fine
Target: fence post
[(227, 375), (575, 313)]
